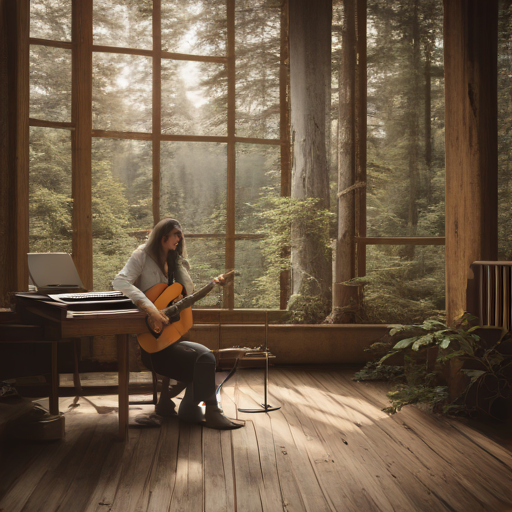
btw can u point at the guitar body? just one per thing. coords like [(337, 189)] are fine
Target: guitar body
[(161, 295)]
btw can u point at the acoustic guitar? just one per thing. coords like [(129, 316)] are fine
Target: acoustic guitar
[(179, 313)]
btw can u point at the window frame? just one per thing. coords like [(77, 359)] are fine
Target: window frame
[(82, 132)]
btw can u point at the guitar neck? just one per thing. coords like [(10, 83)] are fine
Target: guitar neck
[(189, 300)]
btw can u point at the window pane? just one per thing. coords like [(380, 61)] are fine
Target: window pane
[(50, 19), (122, 92), (405, 191), (193, 185), (50, 203), (258, 47), (258, 174), (50, 83), (207, 258), (504, 132), (121, 204), (123, 23), (253, 288), (405, 284), (195, 28), (194, 98)]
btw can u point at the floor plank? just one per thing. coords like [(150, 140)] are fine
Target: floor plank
[(457, 473), (329, 448), (188, 491)]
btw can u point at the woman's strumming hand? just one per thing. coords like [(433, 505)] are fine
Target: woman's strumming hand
[(157, 320)]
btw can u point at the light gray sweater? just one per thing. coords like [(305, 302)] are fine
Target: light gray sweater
[(141, 273)]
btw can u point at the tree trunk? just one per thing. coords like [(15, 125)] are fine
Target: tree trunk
[(310, 70), (345, 244)]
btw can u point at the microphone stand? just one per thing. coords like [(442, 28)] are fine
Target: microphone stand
[(266, 407)]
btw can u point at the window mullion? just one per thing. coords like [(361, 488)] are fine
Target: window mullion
[(81, 117), (157, 103), (229, 297)]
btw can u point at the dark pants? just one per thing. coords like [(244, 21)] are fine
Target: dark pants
[(187, 362)]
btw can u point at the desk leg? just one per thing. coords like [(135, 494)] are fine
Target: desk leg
[(123, 375), (54, 390)]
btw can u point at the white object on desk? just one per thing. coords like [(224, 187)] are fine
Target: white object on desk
[(54, 270)]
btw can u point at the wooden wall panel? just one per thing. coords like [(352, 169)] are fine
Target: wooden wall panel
[(14, 133), (297, 344), (470, 50)]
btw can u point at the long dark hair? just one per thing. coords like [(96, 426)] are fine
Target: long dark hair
[(154, 244)]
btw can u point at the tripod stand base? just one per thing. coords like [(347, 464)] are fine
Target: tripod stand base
[(265, 408)]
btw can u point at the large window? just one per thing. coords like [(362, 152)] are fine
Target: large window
[(400, 223), (144, 109)]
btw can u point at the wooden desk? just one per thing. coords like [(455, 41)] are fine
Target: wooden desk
[(61, 325)]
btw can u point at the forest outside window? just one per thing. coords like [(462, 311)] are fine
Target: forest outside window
[(168, 137)]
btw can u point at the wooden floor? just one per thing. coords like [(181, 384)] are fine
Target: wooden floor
[(330, 448)]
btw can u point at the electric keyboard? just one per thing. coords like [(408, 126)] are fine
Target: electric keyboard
[(71, 298)]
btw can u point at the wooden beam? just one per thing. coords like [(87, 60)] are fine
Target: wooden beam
[(108, 134), (51, 124), (192, 138), (157, 51), (120, 50), (228, 294), (157, 106), (470, 63), (14, 139), (291, 344), (53, 44), (251, 140), (401, 240), (81, 139), (196, 58), (22, 143), (238, 236)]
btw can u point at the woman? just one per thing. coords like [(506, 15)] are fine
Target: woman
[(161, 260)]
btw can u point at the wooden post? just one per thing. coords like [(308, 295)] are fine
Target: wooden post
[(81, 138), (470, 53), (284, 126), (157, 105), (345, 264), (123, 385), (361, 134), (228, 291), (54, 390), (14, 155)]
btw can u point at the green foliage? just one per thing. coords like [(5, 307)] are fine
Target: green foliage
[(428, 348), (374, 370), (399, 290), (404, 395), (277, 215)]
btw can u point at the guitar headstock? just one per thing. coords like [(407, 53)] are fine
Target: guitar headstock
[(221, 280)]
